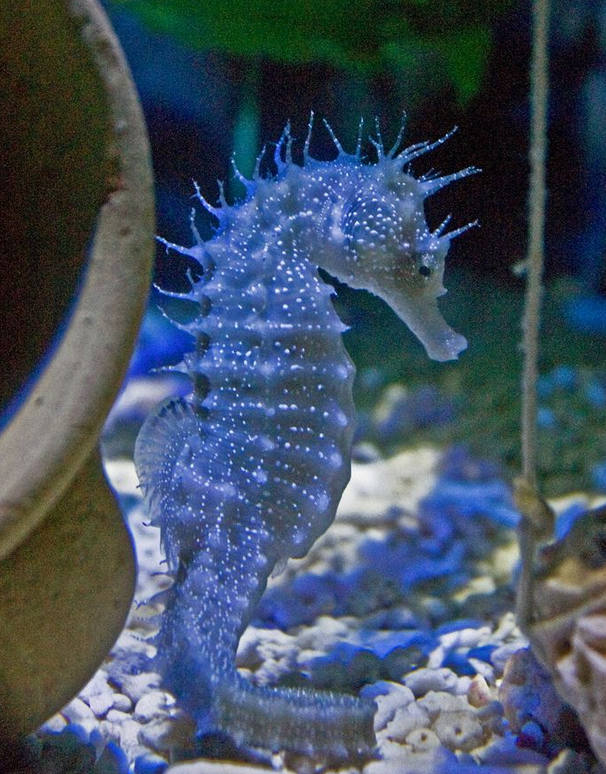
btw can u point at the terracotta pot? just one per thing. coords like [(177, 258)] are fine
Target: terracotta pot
[(78, 220)]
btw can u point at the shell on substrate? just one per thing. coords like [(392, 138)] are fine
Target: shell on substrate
[(568, 631)]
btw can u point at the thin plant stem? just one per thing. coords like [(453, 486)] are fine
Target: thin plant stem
[(539, 78)]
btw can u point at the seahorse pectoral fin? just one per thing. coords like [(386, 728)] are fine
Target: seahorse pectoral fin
[(422, 316)]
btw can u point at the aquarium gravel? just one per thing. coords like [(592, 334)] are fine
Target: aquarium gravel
[(406, 599)]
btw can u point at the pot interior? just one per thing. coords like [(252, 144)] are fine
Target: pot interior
[(56, 175)]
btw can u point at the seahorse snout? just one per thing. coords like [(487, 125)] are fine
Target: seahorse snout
[(425, 320)]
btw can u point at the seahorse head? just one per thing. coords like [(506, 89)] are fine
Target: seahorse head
[(390, 251), (387, 247)]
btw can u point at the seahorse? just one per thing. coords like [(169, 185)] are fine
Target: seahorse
[(248, 470)]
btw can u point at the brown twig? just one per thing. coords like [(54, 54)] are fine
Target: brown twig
[(534, 290)]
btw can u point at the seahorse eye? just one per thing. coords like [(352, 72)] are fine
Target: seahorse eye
[(424, 271)]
